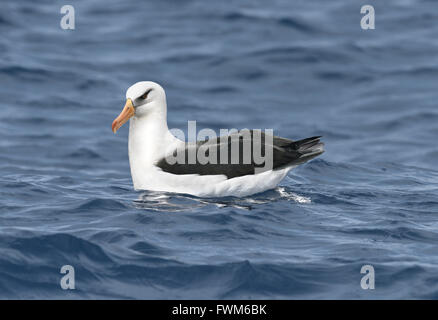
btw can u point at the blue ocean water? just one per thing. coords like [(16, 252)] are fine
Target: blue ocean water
[(302, 68)]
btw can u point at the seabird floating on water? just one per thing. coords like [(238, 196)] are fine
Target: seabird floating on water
[(153, 151)]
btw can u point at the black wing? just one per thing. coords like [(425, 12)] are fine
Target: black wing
[(223, 161)]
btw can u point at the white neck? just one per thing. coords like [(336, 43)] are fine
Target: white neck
[(149, 138)]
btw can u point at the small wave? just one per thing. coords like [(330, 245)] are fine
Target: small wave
[(59, 246), (221, 89), (84, 153), (99, 204), (5, 22), (296, 24), (289, 22), (29, 73), (293, 196), (147, 248)]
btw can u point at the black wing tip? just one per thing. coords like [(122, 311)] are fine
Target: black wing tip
[(305, 143)]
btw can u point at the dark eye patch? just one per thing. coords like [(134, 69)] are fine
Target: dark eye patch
[(145, 95)]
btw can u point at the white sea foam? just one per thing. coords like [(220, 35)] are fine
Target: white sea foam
[(293, 196)]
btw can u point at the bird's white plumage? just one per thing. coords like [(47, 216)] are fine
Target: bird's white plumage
[(150, 140)]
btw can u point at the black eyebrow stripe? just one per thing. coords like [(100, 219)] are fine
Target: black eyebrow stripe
[(146, 92)]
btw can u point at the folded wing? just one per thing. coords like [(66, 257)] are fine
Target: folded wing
[(244, 153)]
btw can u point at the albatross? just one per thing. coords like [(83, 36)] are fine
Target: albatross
[(153, 149)]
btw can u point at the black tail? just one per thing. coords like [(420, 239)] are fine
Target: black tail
[(309, 148)]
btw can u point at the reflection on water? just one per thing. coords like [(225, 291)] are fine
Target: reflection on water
[(172, 202)]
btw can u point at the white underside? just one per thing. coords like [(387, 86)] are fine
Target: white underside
[(155, 179)]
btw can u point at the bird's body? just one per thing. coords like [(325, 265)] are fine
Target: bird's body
[(153, 150)]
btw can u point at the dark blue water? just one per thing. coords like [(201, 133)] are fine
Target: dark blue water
[(302, 68)]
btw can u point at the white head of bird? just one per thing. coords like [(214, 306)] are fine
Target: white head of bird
[(143, 99)]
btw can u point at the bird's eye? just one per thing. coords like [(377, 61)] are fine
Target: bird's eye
[(145, 95)]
